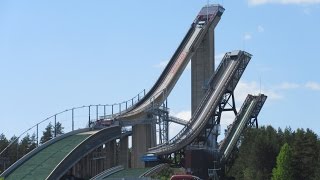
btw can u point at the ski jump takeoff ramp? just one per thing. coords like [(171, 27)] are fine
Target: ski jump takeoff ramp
[(249, 110), (224, 77), (180, 59)]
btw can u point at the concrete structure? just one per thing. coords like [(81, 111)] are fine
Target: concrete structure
[(143, 137), (111, 153), (202, 67), (90, 165), (124, 152)]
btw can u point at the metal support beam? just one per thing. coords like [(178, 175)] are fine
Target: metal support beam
[(89, 121), (55, 125), (72, 119)]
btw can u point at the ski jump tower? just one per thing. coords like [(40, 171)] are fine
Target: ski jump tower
[(195, 145), (202, 68)]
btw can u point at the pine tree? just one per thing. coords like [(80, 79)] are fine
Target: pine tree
[(305, 154), (47, 134), (24, 144), (283, 170), (27, 144), (58, 130), (317, 172), (3, 157), (3, 142), (13, 150), (33, 144)]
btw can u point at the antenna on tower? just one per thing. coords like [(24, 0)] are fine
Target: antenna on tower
[(260, 84), (207, 10)]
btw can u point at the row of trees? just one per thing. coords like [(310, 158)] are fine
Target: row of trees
[(22, 146), (266, 153)]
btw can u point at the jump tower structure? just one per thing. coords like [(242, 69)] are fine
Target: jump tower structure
[(195, 147), (196, 144)]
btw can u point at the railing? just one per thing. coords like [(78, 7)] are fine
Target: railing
[(151, 104), (77, 118)]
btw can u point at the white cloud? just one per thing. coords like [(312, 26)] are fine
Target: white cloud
[(247, 37), (313, 86), (244, 88), (176, 128), (161, 65), (260, 29), (227, 117), (287, 85), (186, 115), (303, 2)]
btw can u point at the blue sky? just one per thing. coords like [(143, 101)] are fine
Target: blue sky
[(56, 55)]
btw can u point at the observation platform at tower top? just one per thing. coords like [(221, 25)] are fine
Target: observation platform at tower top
[(207, 11)]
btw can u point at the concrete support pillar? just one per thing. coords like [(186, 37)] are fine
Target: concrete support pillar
[(143, 137), (111, 154), (202, 67), (124, 152)]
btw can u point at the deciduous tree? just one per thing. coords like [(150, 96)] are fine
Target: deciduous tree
[(283, 170)]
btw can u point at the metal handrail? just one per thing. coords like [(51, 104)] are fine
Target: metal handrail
[(139, 96)]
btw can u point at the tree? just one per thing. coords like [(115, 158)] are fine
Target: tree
[(13, 149), (47, 134), (27, 144), (58, 130), (3, 157), (317, 173), (283, 170), (305, 154), (257, 154), (3, 142)]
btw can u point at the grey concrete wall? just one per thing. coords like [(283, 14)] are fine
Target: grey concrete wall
[(202, 67), (143, 137)]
